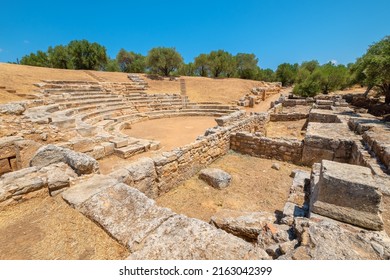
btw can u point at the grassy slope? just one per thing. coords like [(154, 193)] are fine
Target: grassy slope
[(22, 79)]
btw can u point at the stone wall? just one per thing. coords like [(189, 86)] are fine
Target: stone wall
[(15, 153), (276, 148), (348, 193), (330, 141), (162, 173), (286, 117)]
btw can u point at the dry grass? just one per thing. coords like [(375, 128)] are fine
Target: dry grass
[(22, 79), (290, 129), (47, 228), (255, 187)]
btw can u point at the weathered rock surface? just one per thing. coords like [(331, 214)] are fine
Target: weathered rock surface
[(247, 225), (80, 163), (216, 178), (25, 150), (183, 238), (325, 239), (15, 186), (85, 187), (58, 177), (140, 175), (12, 108), (7, 146), (150, 231), (348, 193)]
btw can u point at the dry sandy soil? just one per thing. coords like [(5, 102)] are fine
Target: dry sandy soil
[(292, 129), (47, 228), (22, 78), (255, 187), (171, 132)]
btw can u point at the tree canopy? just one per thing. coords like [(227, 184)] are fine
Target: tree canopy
[(76, 55), (373, 68), (309, 78), (220, 63), (312, 78), (131, 62), (163, 60), (286, 73)]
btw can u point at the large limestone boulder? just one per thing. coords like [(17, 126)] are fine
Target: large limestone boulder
[(326, 239), (12, 108), (80, 163), (183, 238), (140, 174), (247, 225), (59, 176), (150, 231), (216, 178), (347, 193)]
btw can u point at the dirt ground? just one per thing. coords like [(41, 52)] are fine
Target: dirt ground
[(171, 132), (255, 187), (291, 129), (46, 228)]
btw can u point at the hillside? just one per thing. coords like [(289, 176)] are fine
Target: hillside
[(22, 78)]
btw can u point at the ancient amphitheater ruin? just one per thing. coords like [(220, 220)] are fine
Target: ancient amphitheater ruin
[(337, 202)]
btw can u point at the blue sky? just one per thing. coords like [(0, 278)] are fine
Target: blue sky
[(275, 31)]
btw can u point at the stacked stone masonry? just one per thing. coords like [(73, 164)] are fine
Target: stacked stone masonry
[(283, 149)]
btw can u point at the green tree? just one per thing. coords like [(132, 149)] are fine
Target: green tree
[(332, 77), (374, 67), (325, 78), (39, 59), (187, 69), (163, 60), (266, 75), (286, 73), (247, 65), (131, 62), (86, 55), (59, 57), (221, 63), (112, 66), (201, 65), (310, 65), (307, 84)]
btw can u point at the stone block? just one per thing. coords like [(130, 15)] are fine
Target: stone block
[(25, 151), (183, 238), (7, 146), (97, 152), (348, 193), (247, 225), (217, 178), (83, 145), (108, 148), (80, 163), (120, 142), (4, 166), (129, 151), (84, 188), (58, 176), (64, 123), (13, 163)]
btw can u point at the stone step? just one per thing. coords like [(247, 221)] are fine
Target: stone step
[(83, 98), (130, 150), (65, 82)]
